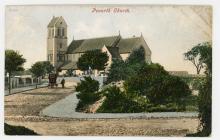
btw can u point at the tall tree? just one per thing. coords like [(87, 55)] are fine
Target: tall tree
[(198, 55), (204, 53), (38, 69), (13, 62), (205, 92), (95, 59)]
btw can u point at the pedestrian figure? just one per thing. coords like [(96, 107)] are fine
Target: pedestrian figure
[(63, 82)]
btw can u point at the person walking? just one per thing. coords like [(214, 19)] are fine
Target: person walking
[(63, 82)]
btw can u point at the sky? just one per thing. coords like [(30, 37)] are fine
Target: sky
[(168, 30)]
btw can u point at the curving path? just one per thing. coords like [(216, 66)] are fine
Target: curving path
[(65, 108)]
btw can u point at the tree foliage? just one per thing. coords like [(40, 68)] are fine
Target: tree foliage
[(117, 71), (38, 69), (48, 67), (121, 70), (137, 56), (199, 56), (95, 59), (118, 102), (205, 90), (153, 82), (41, 68), (88, 92), (13, 62)]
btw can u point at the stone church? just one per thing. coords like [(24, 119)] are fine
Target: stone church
[(64, 56)]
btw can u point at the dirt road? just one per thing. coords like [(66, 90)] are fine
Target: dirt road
[(23, 109)]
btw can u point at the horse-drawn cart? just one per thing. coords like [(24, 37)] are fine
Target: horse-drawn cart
[(52, 80)]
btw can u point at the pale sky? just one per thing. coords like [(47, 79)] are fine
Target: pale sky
[(168, 30)]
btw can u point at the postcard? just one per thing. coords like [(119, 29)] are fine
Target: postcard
[(108, 70)]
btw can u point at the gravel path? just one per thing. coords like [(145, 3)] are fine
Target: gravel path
[(65, 108), (23, 109)]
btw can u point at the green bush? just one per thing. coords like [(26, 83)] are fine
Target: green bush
[(121, 102), (118, 102), (88, 92), (158, 86), (87, 85), (149, 89), (17, 130), (117, 71)]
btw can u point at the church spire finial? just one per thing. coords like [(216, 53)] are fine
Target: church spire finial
[(119, 33)]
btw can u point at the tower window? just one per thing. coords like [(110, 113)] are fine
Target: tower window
[(52, 32), (58, 32), (62, 31), (60, 45)]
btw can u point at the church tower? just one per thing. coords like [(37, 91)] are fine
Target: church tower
[(57, 41)]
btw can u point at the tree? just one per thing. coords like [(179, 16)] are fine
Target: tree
[(198, 55), (38, 69), (87, 89), (13, 62), (48, 67), (117, 71), (95, 59), (205, 91), (137, 56), (41, 68), (121, 70)]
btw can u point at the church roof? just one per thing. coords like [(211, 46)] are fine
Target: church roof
[(128, 44), (74, 45), (69, 65), (115, 44), (79, 46)]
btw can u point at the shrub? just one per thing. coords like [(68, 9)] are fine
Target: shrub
[(117, 71), (158, 86), (118, 102), (17, 130), (88, 92), (87, 85)]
